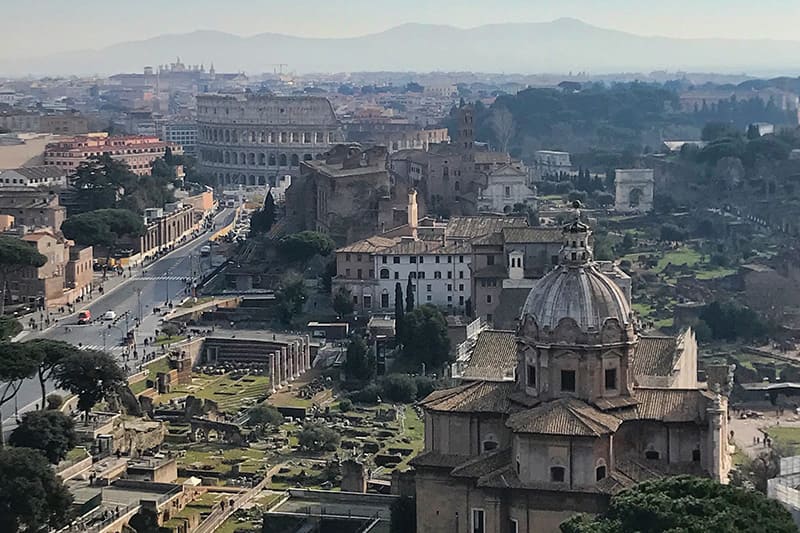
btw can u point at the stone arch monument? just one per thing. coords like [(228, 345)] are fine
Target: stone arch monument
[(634, 190)]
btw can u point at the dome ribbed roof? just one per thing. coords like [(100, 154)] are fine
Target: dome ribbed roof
[(582, 293)]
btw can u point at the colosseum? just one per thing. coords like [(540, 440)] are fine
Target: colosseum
[(253, 139)]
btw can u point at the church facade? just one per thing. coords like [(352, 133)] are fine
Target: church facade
[(595, 407)]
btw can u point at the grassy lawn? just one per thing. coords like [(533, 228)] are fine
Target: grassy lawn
[(76, 454), (230, 394), (681, 256), (163, 339), (715, 273), (188, 304), (786, 436), (251, 459), (139, 387), (160, 365)]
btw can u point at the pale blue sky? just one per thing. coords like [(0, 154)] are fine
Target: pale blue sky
[(40, 27)]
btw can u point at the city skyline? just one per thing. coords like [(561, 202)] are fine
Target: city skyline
[(45, 27)]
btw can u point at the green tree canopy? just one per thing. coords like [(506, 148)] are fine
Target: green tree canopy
[(316, 437), (729, 321), (51, 432), (291, 296), (265, 415), (32, 496), (49, 354), (16, 254), (360, 361), (262, 220), (91, 375), (686, 504), (103, 227), (16, 365), (106, 183), (305, 245), (9, 327), (343, 302), (425, 337)]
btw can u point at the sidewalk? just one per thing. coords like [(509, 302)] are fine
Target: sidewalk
[(41, 321)]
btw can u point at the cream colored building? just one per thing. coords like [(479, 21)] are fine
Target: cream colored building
[(593, 408)]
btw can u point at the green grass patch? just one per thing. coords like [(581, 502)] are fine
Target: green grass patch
[(164, 339), (681, 256), (231, 394), (138, 387), (788, 437), (188, 304), (715, 273), (76, 454)]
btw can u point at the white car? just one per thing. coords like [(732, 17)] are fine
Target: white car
[(110, 315)]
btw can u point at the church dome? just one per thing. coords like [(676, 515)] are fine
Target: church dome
[(576, 289)]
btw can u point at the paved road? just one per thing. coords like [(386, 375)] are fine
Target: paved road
[(158, 282)]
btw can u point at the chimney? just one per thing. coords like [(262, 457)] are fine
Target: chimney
[(413, 217)]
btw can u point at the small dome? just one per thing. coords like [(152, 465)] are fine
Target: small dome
[(582, 293)]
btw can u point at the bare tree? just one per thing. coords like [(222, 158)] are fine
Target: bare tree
[(503, 127)]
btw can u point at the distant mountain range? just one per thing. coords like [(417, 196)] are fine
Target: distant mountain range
[(560, 46)]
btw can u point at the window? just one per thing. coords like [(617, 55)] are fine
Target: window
[(413, 259), (478, 521), (461, 286), (507, 191), (449, 287), (430, 298), (449, 258), (513, 526), (355, 300), (412, 275), (383, 259), (347, 272), (554, 260), (437, 275), (347, 257), (696, 456), (489, 317), (460, 300), (358, 257), (385, 300), (430, 287), (449, 274), (360, 274), (652, 455), (531, 375), (488, 298), (490, 443), (384, 273), (436, 260), (460, 258), (611, 378), (367, 301), (396, 260), (557, 474), (397, 275), (568, 380), (574, 256), (460, 274), (421, 260), (600, 472), (421, 275)]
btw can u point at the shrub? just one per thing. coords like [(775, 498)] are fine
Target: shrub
[(400, 388), (345, 405), (54, 401)]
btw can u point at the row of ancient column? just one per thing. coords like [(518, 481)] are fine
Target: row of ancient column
[(288, 362)]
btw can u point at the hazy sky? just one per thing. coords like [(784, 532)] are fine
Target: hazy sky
[(39, 27)]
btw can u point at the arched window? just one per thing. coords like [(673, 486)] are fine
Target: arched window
[(283, 160), (272, 160), (490, 443), (600, 472), (557, 474), (251, 159), (384, 273), (227, 136), (295, 160), (262, 159)]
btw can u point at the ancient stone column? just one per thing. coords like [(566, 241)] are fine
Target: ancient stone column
[(307, 351), (295, 360), (272, 373), (284, 367)]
